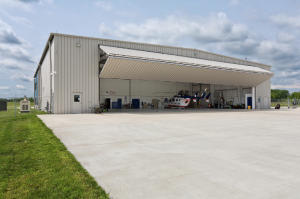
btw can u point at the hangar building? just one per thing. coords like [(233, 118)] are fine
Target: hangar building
[(76, 74)]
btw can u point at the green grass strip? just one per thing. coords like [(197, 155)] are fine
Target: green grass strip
[(35, 164)]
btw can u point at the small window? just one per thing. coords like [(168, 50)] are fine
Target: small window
[(76, 98)]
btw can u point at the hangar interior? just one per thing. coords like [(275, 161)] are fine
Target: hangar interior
[(76, 74), (148, 91)]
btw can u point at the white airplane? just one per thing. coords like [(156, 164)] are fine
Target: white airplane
[(182, 99)]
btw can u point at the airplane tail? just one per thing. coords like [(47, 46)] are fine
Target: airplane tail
[(203, 95), (207, 97)]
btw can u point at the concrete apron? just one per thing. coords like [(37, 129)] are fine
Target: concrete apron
[(188, 153)]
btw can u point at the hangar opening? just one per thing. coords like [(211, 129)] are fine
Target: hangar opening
[(230, 85), (76, 74)]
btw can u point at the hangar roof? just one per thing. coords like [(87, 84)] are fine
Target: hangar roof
[(135, 64)]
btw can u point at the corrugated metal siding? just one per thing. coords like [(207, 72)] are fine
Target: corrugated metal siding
[(45, 81), (264, 91), (77, 71)]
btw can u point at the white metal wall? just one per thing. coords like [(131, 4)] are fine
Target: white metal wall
[(77, 72), (263, 91), (45, 76)]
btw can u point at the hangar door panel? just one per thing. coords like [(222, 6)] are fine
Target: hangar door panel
[(141, 65)]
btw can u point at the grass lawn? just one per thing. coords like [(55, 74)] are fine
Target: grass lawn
[(35, 164)]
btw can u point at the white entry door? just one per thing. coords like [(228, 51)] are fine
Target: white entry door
[(76, 103)]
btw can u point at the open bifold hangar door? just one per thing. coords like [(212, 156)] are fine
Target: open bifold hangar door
[(124, 63)]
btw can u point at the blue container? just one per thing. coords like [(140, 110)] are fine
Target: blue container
[(115, 105)]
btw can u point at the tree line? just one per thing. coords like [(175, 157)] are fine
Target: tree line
[(17, 99), (284, 94)]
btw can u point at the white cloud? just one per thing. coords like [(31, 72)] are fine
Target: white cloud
[(12, 64), (4, 87), (17, 19), (282, 20), (285, 37), (174, 30), (278, 86), (11, 45), (20, 87), (106, 5), (22, 77), (7, 4), (126, 14), (48, 1), (21, 20), (15, 52), (234, 2), (7, 35)]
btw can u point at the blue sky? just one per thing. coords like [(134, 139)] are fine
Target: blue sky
[(263, 31)]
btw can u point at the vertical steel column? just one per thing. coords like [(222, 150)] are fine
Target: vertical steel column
[(253, 98), (240, 92), (212, 91), (130, 94)]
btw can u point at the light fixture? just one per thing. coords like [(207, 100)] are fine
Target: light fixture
[(53, 73), (78, 45)]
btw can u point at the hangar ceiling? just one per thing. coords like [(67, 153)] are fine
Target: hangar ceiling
[(124, 63)]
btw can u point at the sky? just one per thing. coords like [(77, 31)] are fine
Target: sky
[(261, 31)]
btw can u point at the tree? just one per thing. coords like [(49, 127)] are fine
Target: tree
[(295, 95), (279, 94)]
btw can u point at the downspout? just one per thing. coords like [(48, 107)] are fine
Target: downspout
[(50, 101), (34, 91), (130, 94), (99, 83), (39, 89)]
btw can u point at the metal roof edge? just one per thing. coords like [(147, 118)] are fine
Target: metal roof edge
[(51, 36), (67, 35)]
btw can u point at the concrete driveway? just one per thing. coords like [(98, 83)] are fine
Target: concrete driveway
[(187, 153)]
